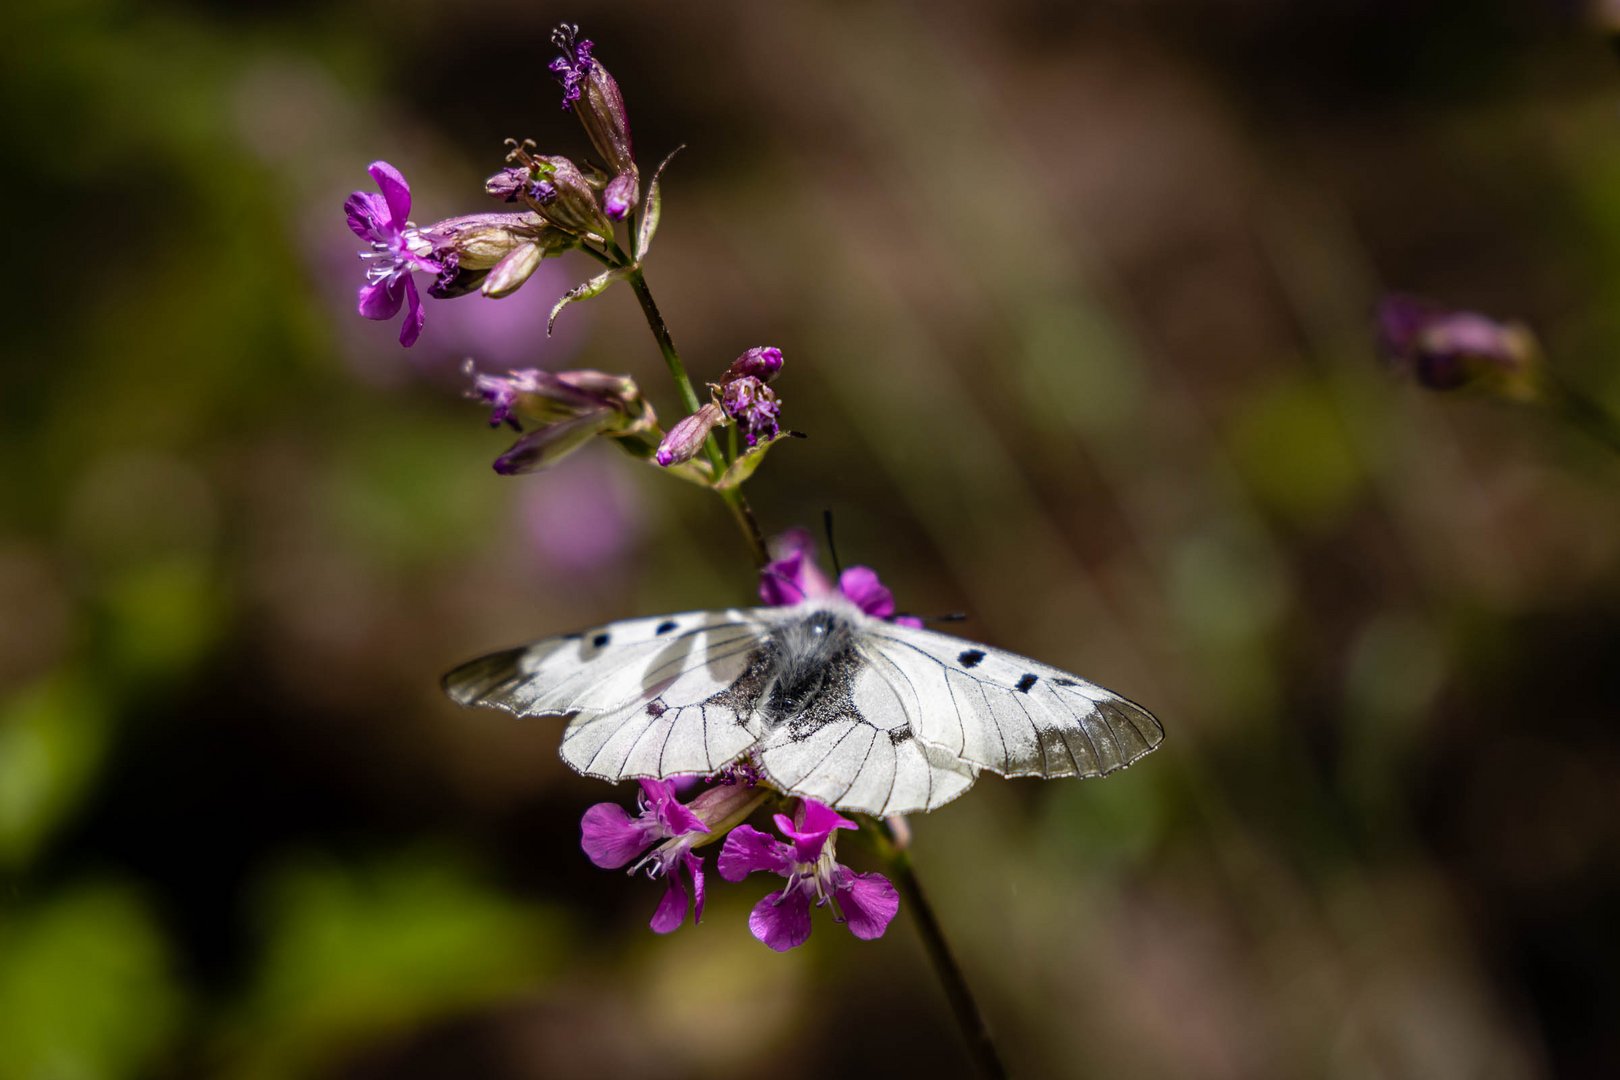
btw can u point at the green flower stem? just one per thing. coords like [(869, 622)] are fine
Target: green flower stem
[(969, 1020), (1581, 411), (734, 499)]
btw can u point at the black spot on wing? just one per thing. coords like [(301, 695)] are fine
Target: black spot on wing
[(1066, 682), (1026, 681), (601, 639), (900, 735), (970, 658), (666, 627)]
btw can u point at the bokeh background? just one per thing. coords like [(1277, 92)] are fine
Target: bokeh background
[(1076, 303)]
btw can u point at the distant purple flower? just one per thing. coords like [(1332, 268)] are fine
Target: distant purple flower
[(397, 250), (611, 838), (1444, 349), (574, 66), (583, 524), (754, 406), (867, 903)]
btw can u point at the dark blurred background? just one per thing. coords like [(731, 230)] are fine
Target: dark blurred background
[(1076, 304)]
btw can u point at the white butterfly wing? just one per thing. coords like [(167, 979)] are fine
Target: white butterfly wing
[(860, 754), (1003, 712), (653, 697)]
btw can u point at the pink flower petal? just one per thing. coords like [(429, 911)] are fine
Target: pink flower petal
[(869, 903), (861, 584), (395, 190), (694, 866), (747, 849), (368, 215), (671, 910), (793, 576), (781, 922), (816, 822), (411, 328), (675, 818), (381, 299), (610, 837), (781, 582)]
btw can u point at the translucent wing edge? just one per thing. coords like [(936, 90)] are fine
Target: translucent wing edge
[(496, 680), (1079, 698)]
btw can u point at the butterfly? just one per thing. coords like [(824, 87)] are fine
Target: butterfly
[(826, 701)]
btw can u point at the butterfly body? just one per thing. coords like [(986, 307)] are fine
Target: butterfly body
[(857, 712)]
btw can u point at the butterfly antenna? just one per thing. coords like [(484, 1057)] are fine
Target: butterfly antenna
[(954, 616), (832, 546)]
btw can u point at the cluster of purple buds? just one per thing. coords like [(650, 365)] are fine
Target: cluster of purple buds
[(1441, 349), (564, 411), (496, 253), (742, 397)]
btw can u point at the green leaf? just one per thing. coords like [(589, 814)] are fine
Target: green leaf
[(653, 207), (741, 469), (594, 287)]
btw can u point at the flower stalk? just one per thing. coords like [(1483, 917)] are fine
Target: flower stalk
[(969, 1020), (734, 499)]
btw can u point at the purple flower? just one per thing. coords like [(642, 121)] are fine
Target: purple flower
[(753, 405), (867, 903), (397, 250), (1442, 349), (794, 576), (574, 66), (612, 838)]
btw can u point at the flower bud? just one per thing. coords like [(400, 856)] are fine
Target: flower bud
[(1443, 350), (544, 397), (686, 438), (479, 241), (762, 362), (594, 97), (621, 195), (511, 272), (545, 446), (568, 200)]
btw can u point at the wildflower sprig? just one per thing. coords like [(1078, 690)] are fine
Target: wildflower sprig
[(597, 208), (603, 209)]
